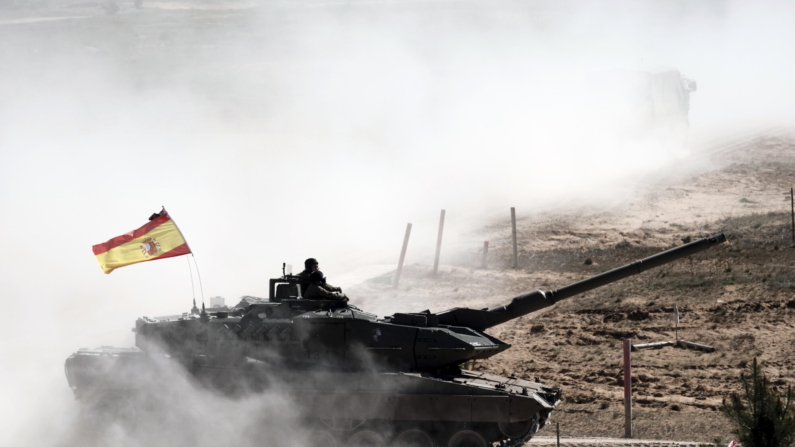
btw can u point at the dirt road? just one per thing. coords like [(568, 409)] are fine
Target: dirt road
[(585, 442)]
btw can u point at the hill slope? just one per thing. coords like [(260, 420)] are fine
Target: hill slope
[(739, 297)]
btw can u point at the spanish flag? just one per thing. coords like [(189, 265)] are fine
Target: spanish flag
[(158, 239)]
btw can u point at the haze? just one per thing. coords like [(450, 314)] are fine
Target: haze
[(273, 132)]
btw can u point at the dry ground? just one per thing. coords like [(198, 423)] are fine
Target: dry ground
[(738, 297)]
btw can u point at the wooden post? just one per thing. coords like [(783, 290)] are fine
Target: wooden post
[(485, 254), (515, 247), (792, 202), (402, 255), (627, 389), (438, 244)]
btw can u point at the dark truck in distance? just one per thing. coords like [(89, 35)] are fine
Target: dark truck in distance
[(375, 382)]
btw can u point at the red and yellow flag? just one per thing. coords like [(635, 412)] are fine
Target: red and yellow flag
[(158, 239)]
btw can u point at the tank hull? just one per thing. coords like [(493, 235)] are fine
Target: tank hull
[(343, 403)]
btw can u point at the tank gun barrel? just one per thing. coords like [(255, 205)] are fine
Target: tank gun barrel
[(636, 267), (537, 299)]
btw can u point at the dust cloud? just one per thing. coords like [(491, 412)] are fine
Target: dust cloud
[(176, 409), (275, 131)]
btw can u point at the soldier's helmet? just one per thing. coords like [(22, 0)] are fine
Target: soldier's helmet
[(317, 276)]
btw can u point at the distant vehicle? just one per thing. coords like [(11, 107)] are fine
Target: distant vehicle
[(357, 379), (642, 104)]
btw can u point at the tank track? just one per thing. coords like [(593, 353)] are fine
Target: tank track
[(460, 409)]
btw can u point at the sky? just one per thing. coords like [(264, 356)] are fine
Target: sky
[(277, 131)]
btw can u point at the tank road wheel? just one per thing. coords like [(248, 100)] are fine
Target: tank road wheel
[(413, 438), (321, 438), (519, 429), (467, 438), (366, 438)]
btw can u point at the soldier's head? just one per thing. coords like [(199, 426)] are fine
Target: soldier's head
[(317, 276), (311, 264)]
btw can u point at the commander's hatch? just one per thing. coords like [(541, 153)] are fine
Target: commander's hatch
[(285, 288)]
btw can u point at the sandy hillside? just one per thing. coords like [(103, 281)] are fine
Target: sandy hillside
[(738, 297)]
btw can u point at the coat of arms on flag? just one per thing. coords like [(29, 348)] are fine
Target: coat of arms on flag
[(159, 238)]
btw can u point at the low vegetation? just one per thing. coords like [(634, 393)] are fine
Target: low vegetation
[(762, 416)]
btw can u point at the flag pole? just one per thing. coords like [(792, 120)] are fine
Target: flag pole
[(201, 289), (192, 287)]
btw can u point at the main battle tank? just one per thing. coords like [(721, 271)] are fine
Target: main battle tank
[(358, 380)]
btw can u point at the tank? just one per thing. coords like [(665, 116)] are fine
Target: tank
[(358, 380)]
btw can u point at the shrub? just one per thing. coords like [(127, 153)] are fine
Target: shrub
[(761, 416)]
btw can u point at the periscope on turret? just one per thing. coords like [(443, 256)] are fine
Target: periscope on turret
[(399, 377)]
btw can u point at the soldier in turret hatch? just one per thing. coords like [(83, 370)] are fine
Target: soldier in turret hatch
[(310, 265), (319, 290)]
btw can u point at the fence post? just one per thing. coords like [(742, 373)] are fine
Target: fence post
[(627, 389), (485, 254), (557, 431), (402, 255), (515, 248), (792, 202), (438, 244)]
